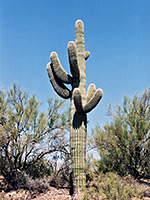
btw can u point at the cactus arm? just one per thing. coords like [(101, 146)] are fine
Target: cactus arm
[(93, 98), (90, 92), (58, 69), (93, 101), (77, 99), (58, 86), (72, 52), (87, 54)]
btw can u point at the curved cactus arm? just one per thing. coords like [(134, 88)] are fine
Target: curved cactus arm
[(58, 86), (90, 92), (87, 54), (93, 101), (72, 52), (77, 99), (58, 69)]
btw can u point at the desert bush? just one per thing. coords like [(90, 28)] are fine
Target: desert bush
[(60, 176), (27, 134), (110, 186), (36, 185), (20, 180), (124, 143), (15, 179), (40, 169)]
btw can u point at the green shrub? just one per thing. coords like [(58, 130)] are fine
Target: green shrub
[(110, 186), (40, 169), (27, 135), (123, 144), (37, 186)]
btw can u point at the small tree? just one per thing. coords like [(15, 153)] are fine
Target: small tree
[(124, 144), (26, 134)]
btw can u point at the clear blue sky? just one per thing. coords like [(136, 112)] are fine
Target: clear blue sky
[(117, 33)]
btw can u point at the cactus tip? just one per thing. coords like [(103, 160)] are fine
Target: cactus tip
[(53, 54), (71, 43), (79, 23), (87, 54), (77, 91), (100, 92)]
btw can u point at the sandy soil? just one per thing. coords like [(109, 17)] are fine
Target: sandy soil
[(51, 194), (57, 194)]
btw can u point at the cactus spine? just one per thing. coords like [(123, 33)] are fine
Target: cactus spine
[(81, 103)]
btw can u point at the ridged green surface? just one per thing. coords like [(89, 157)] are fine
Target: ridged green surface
[(58, 86), (93, 101), (81, 103), (78, 99), (72, 52), (90, 92), (60, 73)]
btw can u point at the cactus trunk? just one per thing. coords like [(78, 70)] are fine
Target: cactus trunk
[(81, 102), (78, 146), (78, 128)]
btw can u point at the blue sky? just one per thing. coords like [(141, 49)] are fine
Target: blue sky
[(117, 34)]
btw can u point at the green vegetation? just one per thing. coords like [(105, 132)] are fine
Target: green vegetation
[(110, 186), (124, 144), (27, 135)]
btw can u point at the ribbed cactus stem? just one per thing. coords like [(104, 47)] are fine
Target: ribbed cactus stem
[(79, 119), (78, 99), (79, 30), (78, 145)]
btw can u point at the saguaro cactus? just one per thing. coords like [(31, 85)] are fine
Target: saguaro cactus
[(81, 102)]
